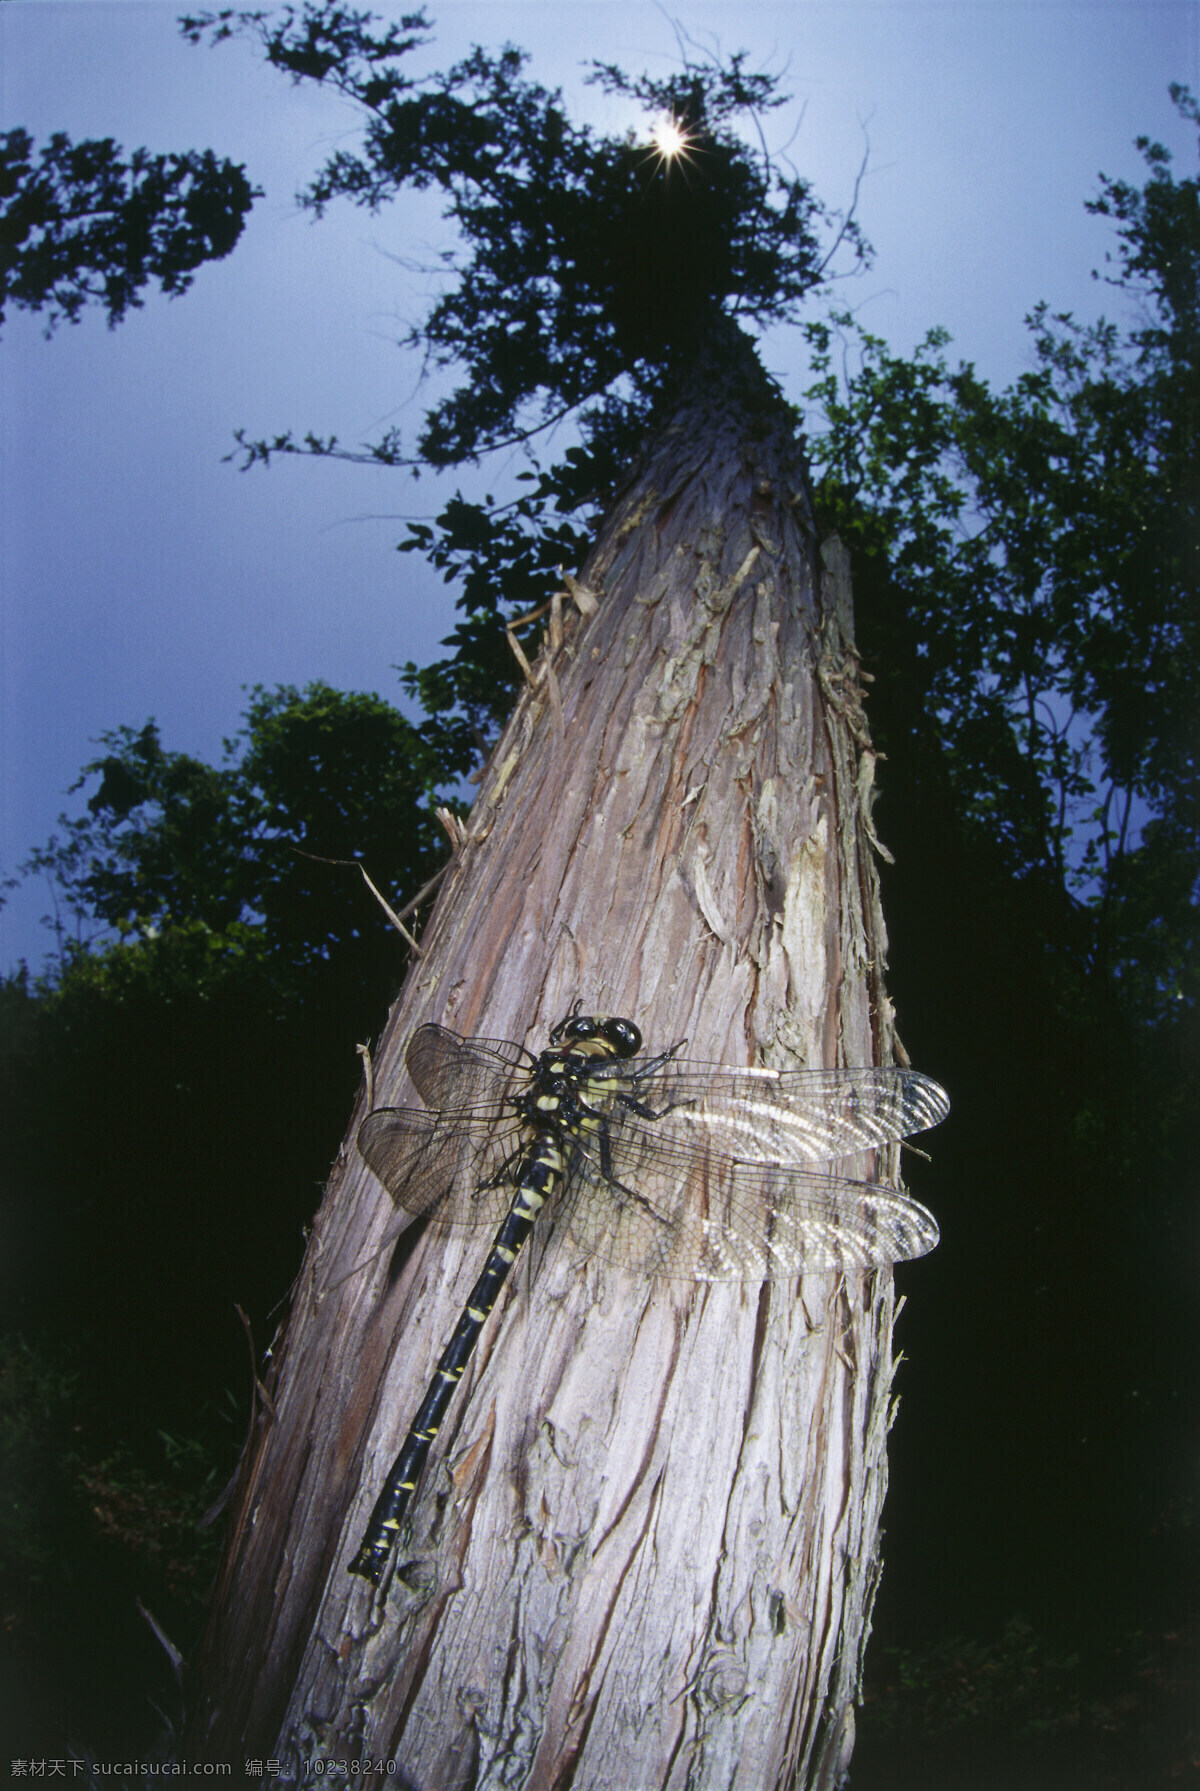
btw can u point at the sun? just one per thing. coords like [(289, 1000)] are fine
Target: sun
[(671, 140)]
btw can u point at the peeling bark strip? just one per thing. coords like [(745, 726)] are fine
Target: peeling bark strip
[(646, 1554)]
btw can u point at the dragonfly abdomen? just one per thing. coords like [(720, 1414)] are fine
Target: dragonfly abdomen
[(539, 1177)]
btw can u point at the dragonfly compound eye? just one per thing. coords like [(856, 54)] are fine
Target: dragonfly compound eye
[(624, 1037)]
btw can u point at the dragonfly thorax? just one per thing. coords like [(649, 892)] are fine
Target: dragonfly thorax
[(557, 1095)]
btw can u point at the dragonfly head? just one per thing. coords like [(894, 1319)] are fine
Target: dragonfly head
[(622, 1037)]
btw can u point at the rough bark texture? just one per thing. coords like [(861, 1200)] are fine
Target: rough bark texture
[(645, 1546)]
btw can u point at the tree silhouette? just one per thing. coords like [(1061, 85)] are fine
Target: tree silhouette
[(1040, 625), (80, 225)]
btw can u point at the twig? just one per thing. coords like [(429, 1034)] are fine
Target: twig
[(389, 911), (458, 839), (585, 601), (364, 1051), (259, 1389), (515, 644), (169, 1649), (425, 890)]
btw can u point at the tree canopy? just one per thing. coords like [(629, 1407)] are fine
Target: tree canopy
[(589, 267), (590, 264), (1039, 633), (252, 854), (79, 224)]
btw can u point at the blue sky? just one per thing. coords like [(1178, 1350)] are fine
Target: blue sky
[(140, 575)]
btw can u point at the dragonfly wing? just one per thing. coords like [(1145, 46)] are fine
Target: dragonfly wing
[(695, 1170), (695, 1214), (449, 1072), (774, 1116), (458, 1173)]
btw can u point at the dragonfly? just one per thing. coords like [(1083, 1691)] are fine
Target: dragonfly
[(659, 1165)]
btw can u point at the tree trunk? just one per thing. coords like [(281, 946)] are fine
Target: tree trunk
[(644, 1549)]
